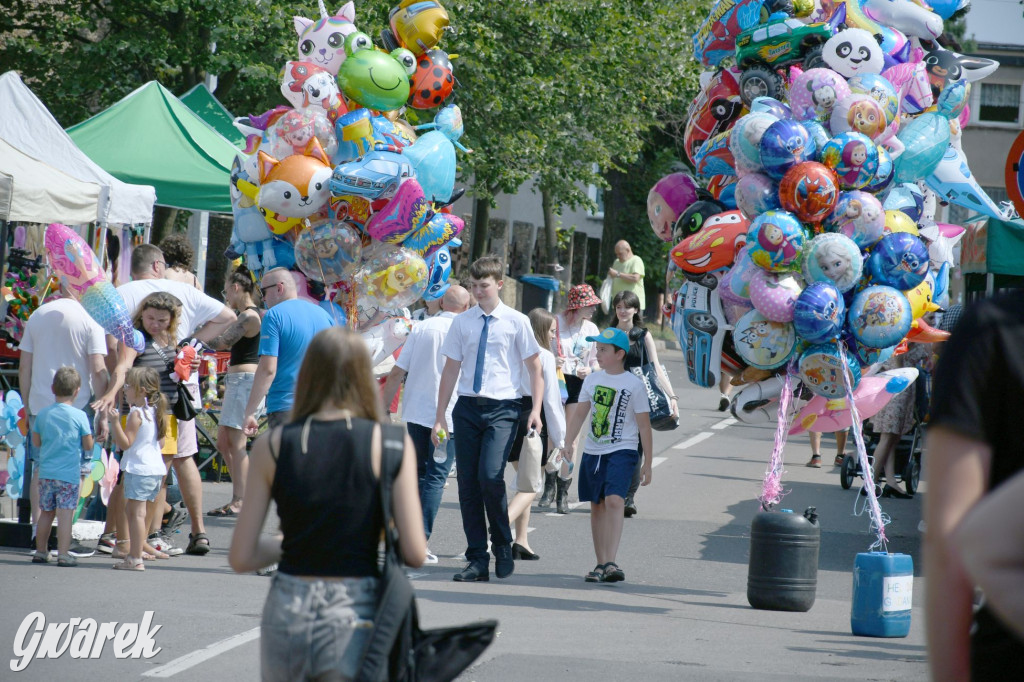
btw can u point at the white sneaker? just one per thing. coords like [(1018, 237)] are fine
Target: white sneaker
[(161, 544), (431, 557)]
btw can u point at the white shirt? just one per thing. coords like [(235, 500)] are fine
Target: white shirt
[(575, 349), (615, 400), (510, 342), (60, 333), (421, 358), (554, 412)]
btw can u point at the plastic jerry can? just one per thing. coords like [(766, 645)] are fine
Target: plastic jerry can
[(783, 572), (883, 591)]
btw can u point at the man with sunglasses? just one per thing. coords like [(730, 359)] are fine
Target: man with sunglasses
[(284, 336)]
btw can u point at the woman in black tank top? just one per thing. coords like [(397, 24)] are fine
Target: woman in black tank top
[(243, 338), (321, 469)]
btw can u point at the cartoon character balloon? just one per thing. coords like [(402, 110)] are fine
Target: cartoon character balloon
[(815, 92), (854, 158), (859, 216), (328, 252), (775, 241), (762, 343), (375, 79), (775, 295), (391, 277), (322, 42), (899, 260), (861, 114), (810, 190), (819, 312), (833, 258), (667, 201), (821, 370), (852, 52), (785, 144), (756, 193), (879, 316)]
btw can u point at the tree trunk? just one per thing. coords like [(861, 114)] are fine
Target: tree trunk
[(615, 203), (550, 233), (163, 223), (481, 219)]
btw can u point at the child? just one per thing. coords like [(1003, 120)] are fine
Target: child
[(141, 439), (616, 402), (62, 432)]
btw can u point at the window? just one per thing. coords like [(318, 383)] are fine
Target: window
[(999, 103), (596, 195)]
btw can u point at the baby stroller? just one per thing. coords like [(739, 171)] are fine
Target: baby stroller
[(908, 449)]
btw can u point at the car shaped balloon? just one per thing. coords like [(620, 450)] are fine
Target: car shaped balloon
[(715, 108), (374, 176), (715, 246)]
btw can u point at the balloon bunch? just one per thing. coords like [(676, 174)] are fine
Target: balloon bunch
[(13, 431), (25, 287), (819, 154), (338, 185)]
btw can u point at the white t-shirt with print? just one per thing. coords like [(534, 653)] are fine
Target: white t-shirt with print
[(615, 400)]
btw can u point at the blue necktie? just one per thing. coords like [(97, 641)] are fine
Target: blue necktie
[(481, 353)]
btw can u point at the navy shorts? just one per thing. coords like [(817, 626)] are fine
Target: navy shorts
[(604, 475)]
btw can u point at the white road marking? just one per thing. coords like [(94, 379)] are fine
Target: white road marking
[(724, 423), (703, 435), (658, 460), (416, 576), (194, 658)]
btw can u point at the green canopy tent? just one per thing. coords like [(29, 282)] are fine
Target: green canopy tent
[(992, 255), (200, 100)]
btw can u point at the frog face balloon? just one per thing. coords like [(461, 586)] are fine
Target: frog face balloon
[(373, 78)]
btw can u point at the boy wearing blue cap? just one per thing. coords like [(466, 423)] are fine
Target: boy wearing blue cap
[(618, 415)]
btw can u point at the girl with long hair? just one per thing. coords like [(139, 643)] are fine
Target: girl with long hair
[(322, 469)]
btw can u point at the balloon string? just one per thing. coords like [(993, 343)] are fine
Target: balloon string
[(771, 489), (878, 523), (323, 278)]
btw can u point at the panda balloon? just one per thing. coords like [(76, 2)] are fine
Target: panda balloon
[(853, 52)]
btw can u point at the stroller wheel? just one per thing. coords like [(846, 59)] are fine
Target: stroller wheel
[(912, 473), (847, 472)]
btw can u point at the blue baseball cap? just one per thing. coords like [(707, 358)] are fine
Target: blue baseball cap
[(613, 336)]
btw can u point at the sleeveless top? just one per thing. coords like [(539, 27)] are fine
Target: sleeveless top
[(246, 351), (143, 456), (637, 353), (151, 357), (328, 499)]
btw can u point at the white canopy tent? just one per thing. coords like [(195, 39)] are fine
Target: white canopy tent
[(34, 192), (28, 125)]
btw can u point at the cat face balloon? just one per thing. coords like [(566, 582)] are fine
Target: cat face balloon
[(323, 41), (853, 52)]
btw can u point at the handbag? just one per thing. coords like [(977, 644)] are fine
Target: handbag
[(398, 649), (605, 294), (184, 410), (528, 476), (661, 406)]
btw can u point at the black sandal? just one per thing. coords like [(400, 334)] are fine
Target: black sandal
[(198, 544), (612, 573), (595, 576)]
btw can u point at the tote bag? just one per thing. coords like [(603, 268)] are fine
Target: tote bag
[(661, 407)]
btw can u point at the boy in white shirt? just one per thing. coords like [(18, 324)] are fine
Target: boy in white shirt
[(618, 414), (490, 344)]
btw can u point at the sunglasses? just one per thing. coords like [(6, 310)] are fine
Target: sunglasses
[(263, 290)]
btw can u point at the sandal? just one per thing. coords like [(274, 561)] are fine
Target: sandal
[(226, 510), (198, 544), (155, 554), (815, 462), (119, 553), (597, 575), (130, 564), (612, 573), (839, 459)]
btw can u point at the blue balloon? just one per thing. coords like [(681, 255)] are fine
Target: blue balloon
[(440, 269), (879, 316), (770, 105), (819, 312), (433, 157), (854, 158), (866, 355), (785, 144), (775, 241), (899, 260), (885, 172), (907, 198), (821, 370), (925, 140), (818, 132)]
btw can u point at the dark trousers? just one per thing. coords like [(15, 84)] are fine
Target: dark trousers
[(485, 429), (432, 475)]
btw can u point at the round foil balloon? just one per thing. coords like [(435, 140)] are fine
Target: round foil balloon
[(775, 241), (755, 194), (884, 174), (898, 221), (880, 90), (819, 312), (745, 140), (859, 114), (833, 258), (899, 260), (818, 132), (867, 355), (774, 295), (810, 190), (785, 144), (814, 93), (390, 276), (770, 105), (859, 216), (821, 370), (854, 158), (879, 316), (328, 252), (762, 343), (741, 274)]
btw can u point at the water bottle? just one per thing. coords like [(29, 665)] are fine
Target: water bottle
[(441, 450), (565, 471)]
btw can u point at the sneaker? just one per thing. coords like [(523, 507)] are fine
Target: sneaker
[(79, 550), (106, 544), (161, 544), (461, 558), (723, 403), (815, 462), (431, 557), (267, 570), (839, 460), (453, 473)]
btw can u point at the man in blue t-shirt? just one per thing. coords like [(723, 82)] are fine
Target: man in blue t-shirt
[(284, 336)]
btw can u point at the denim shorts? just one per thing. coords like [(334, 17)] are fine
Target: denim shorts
[(54, 494), (604, 475), (237, 387), (142, 487), (314, 628)]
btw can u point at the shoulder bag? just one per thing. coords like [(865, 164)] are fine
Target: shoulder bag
[(184, 409), (398, 649), (661, 406)]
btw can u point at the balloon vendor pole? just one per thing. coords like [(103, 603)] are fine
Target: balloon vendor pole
[(868, 475), (771, 490)]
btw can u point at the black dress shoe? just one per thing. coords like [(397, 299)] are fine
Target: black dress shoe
[(472, 574), (878, 491), (890, 491), (504, 566), (520, 552)]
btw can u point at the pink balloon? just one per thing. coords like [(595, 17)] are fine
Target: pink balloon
[(871, 395), (669, 199), (775, 295)]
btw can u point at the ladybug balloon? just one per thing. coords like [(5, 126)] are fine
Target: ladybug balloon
[(433, 80)]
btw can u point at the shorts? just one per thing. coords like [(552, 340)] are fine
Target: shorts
[(142, 487), (573, 384), (604, 475), (187, 440), (237, 387), (54, 494)]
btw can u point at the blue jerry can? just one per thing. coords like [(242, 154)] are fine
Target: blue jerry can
[(883, 591)]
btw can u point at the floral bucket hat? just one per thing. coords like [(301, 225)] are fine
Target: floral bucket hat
[(582, 295)]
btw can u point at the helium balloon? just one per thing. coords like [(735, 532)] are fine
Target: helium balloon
[(770, 105), (859, 216), (667, 201), (814, 93), (880, 90), (693, 219), (762, 343), (774, 295), (884, 174), (821, 370), (833, 258), (391, 277), (433, 80), (328, 252), (785, 144), (854, 158), (810, 190), (925, 140), (714, 158), (819, 312), (818, 132), (899, 260), (879, 316), (775, 241), (745, 140), (907, 198), (756, 193), (860, 114), (866, 355), (898, 221), (440, 269), (741, 274), (293, 132), (920, 298), (373, 78)]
